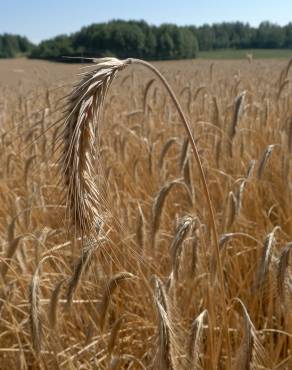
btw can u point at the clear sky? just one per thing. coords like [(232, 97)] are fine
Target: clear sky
[(42, 19)]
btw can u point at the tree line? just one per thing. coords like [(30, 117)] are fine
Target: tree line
[(14, 45), (239, 35), (139, 39), (123, 39)]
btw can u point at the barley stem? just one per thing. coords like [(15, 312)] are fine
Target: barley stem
[(206, 191)]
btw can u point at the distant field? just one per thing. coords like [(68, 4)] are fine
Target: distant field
[(26, 74), (239, 54)]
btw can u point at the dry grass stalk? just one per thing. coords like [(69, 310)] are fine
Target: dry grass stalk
[(131, 360), (114, 334), (11, 249), (290, 135)]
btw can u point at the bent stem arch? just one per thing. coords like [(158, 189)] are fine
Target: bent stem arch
[(206, 191)]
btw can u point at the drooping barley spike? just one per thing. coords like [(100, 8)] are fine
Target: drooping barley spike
[(85, 105), (182, 230), (264, 160), (231, 210), (283, 276), (34, 314), (109, 289), (196, 339), (251, 353), (165, 149), (238, 108), (81, 266), (266, 258), (146, 93), (165, 332), (140, 232), (184, 152), (290, 135), (53, 308), (159, 203)]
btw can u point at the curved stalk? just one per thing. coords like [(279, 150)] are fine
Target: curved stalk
[(206, 191)]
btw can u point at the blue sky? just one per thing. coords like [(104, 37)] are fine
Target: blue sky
[(42, 19)]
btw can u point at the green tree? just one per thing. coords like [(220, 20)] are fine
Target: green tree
[(14, 45), (55, 48), (206, 37), (269, 35), (288, 36)]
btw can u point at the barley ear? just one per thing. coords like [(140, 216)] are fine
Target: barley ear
[(84, 110), (109, 289), (181, 233), (266, 258), (81, 266), (251, 353), (195, 342), (282, 274), (34, 314), (54, 304), (164, 359), (159, 202), (263, 162)]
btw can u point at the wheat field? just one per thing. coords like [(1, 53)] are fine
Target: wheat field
[(157, 282)]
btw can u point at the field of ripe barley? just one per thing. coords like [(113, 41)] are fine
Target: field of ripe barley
[(115, 251)]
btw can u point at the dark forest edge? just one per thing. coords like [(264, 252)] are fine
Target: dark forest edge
[(139, 39)]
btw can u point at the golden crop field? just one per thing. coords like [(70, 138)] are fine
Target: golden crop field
[(117, 250)]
